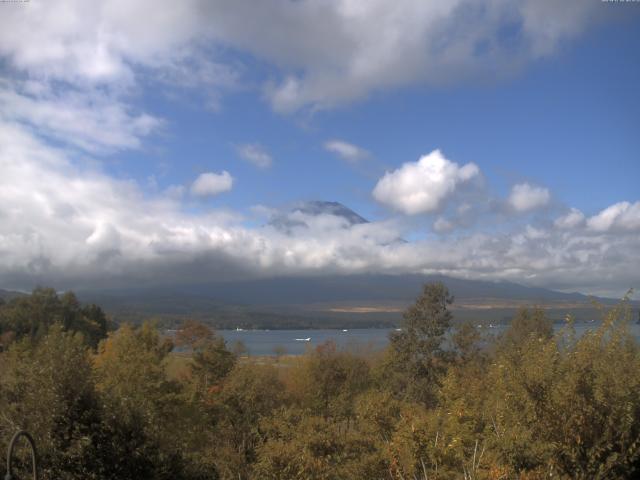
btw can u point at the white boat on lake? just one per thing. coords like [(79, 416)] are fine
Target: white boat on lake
[(308, 339)]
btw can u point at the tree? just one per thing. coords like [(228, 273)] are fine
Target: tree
[(48, 389), (249, 394), (150, 419), (466, 342), (415, 360), (193, 335), (327, 381), (302, 445), (211, 363), (210, 360), (31, 316), (570, 405), (526, 324)]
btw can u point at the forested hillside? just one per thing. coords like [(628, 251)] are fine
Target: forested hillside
[(105, 403)]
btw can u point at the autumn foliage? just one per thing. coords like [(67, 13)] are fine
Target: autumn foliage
[(444, 401)]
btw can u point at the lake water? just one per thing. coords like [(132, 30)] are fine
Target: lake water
[(265, 342)]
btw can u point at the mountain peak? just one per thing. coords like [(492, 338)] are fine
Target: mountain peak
[(296, 216)]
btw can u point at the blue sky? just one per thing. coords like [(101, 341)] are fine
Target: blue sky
[(568, 122), (500, 139)]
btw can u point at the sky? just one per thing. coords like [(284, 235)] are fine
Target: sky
[(154, 142)]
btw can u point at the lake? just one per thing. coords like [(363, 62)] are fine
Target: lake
[(265, 342)]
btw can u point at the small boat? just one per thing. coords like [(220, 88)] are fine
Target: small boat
[(303, 339), (238, 329), (398, 329), (345, 330)]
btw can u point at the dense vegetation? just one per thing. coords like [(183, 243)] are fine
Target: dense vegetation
[(112, 405)]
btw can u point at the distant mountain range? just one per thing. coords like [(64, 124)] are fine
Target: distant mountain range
[(361, 288), (365, 300)]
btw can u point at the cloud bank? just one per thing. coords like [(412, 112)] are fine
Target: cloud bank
[(68, 227), (327, 52)]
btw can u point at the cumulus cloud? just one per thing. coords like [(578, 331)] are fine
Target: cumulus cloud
[(525, 197), (620, 216), (347, 151), (255, 154), (574, 218), (210, 184), (423, 186)]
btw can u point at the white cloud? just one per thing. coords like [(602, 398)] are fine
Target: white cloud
[(332, 52), (574, 218), (86, 63), (255, 154), (423, 186), (79, 42), (620, 216), (175, 192), (525, 197), (67, 227), (210, 184), (90, 119), (347, 151), (328, 52), (442, 225)]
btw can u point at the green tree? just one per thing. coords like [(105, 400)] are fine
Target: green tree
[(416, 361), (32, 315)]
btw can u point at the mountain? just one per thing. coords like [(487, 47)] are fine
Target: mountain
[(300, 213), (333, 301), (366, 288), (328, 302), (9, 294)]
